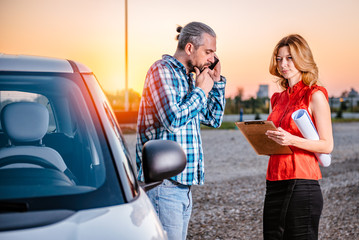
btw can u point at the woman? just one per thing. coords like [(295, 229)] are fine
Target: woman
[(293, 201)]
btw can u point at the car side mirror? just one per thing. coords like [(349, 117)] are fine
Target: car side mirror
[(161, 159)]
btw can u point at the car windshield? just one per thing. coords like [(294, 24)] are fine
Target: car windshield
[(51, 140)]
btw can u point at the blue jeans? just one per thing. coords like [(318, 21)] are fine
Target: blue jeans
[(173, 204)]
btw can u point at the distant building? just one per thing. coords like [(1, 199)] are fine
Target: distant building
[(351, 99), (263, 91), (353, 94)]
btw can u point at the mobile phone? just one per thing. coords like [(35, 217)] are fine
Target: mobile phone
[(216, 60)]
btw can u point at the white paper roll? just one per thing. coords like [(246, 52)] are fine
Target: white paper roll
[(307, 128)]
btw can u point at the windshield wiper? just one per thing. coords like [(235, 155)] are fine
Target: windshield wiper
[(13, 207)]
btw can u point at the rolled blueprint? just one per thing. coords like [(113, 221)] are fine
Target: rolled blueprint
[(308, 130)]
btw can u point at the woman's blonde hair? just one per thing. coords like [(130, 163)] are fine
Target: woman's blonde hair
[(302, 58)]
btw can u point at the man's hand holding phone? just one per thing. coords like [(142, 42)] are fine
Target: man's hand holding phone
[(215, 68), (204, 80)]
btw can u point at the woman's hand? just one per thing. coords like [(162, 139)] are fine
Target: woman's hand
[(281, 137)]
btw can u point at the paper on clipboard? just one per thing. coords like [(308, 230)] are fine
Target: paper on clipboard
[(254, 132)]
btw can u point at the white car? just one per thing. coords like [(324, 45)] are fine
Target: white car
[(65, 171)]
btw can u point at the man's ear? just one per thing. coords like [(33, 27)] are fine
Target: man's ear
[(189, 48)]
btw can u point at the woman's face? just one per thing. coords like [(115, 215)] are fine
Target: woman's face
[(286, 65)]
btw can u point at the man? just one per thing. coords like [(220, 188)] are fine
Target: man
[(173, 105)]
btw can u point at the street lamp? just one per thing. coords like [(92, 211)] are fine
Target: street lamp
[(126, 58)]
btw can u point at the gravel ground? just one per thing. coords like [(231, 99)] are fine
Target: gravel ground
[(229, 205)]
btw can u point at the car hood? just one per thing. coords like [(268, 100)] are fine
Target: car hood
[(135, 220)]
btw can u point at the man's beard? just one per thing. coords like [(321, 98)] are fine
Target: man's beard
[(191, 66)]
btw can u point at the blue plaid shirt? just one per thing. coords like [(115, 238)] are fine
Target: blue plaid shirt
[(172, 108)]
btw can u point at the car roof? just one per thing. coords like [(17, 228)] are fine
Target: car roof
[(27, 63)]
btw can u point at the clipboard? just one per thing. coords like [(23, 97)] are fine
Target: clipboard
[(254, 131)]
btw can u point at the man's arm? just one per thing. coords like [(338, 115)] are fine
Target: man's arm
[(213, 114), (164, 88)]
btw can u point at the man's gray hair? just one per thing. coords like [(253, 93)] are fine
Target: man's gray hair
[(192, 33)]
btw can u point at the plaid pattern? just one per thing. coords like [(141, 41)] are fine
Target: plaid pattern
[(172, 108)]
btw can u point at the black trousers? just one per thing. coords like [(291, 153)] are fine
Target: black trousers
[(292, 209)]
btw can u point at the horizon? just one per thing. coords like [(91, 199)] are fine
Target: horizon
[(117, 92), (92, 32)]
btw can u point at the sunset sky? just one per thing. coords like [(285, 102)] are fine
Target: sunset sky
[(92, 32)]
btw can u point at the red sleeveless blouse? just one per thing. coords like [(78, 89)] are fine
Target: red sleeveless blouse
[(301, 164)]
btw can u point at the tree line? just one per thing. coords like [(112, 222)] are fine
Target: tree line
[(234, 105)]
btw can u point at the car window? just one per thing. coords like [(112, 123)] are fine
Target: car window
[(123, 154), (126, 161), (68, 159)]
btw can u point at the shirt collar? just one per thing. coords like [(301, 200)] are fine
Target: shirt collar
[(174, 62), (299, 85)]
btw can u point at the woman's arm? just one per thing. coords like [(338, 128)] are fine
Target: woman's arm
[(320, 110)]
